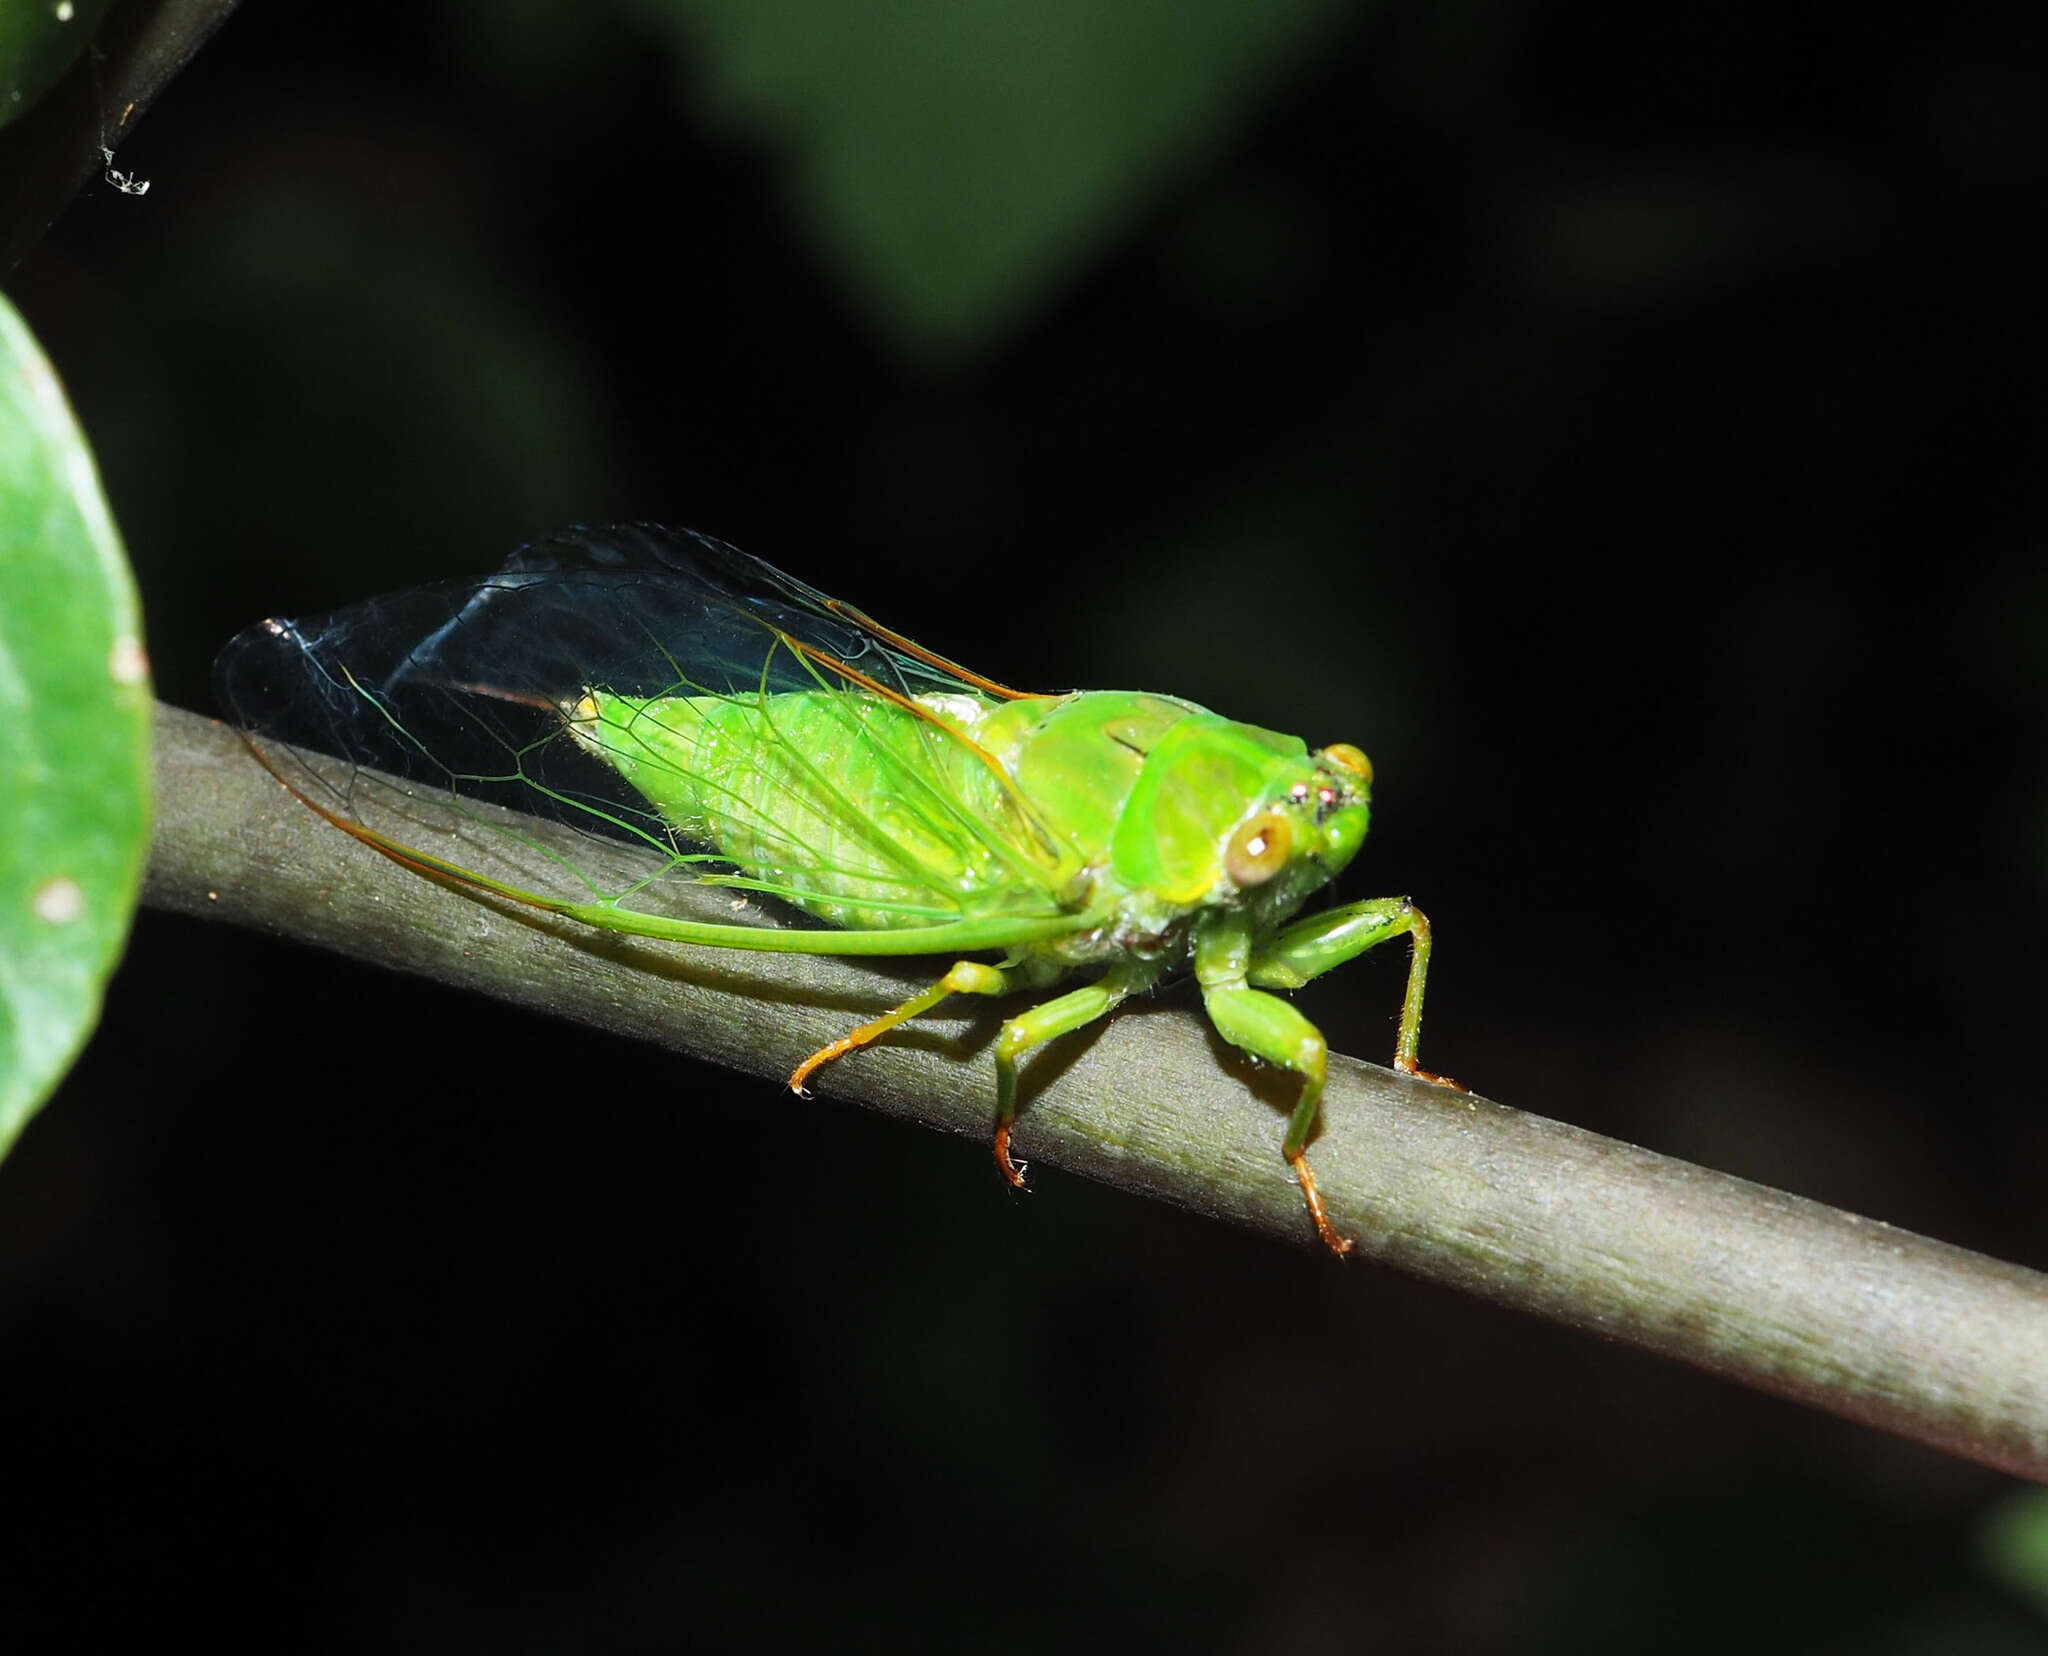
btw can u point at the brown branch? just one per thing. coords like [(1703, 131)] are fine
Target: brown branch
[(1766, 1289)]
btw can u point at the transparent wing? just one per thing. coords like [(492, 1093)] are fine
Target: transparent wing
[(449, 697)]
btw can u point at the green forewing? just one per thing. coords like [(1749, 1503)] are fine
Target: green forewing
[(864, 812)]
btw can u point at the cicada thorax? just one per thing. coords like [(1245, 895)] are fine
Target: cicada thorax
[(1177, 810)]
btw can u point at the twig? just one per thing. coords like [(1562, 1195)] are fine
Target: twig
[(1770, 1290), (56, 147)]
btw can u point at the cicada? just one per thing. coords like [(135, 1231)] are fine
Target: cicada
[(661, 690)]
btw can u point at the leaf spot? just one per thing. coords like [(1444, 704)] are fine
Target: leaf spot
[(129, 662), (60, 902)]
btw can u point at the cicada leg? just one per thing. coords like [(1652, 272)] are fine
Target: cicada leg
[(1311, 947), (1267, 1027), (967, 977), (1059, 1016)]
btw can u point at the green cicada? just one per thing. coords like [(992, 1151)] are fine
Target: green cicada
[(661, 689)]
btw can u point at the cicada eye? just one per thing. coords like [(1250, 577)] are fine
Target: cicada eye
[(1347, 757), (1259, 848)]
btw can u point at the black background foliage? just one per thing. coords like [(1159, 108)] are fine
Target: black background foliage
[(1623, 424)]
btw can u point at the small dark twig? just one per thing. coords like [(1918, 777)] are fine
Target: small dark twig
[(50, 152)]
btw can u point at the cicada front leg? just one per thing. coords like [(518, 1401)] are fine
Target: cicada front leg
[(1308, 948)]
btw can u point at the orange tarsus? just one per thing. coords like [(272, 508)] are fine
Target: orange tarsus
[(1011, 1172), (1408, 1066), (1338, 1245), (851, 1041)]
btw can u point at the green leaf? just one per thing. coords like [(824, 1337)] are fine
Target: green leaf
[(960, 158), (39, 39), (75, 719)]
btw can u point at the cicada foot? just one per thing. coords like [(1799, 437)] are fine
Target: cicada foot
[(966, 978), (817, 1060), (1047, 1021), (1338, 1245), (1013, 1175), (1408, 1066)]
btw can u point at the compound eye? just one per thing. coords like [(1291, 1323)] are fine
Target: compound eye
[(1347, 757), (1259, 848)]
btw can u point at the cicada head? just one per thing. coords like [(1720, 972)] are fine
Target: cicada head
[(1228, 813), (1302, 834), (1341, 793)]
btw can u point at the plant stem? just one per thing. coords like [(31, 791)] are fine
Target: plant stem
[(1764, 1288)]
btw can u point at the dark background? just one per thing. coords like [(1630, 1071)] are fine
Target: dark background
[(1625, 426)]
